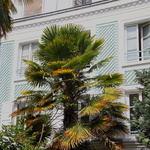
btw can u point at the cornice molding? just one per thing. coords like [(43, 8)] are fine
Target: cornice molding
[(49, 21)]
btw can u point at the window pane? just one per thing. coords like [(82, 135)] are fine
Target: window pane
[(132, 98), (25, 57), (25, 50), (21, 105), (33, 8), (131, 31), (146, 30), (23, 65), (132, 44), (34, 46), (146, 43), (21, 71), (146, 55), (26, 53)]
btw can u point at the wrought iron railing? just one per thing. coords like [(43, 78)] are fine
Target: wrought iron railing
[(81, 2)]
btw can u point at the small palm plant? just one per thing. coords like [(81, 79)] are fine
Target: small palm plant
[(64, 57)]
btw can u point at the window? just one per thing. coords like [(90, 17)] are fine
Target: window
[(138, 42), (19, 106), (132, 98), (81, 2), (81, 104), (33, 8), (84, 119), (26, 51)]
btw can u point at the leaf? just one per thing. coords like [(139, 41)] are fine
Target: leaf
[(99, 64), (88, 110), (63, 72), (115, 79), (75, 136), (55, 65)]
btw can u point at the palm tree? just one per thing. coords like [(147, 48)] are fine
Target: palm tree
[(34, 117), (6, 9), (64, 57), (106, 120)]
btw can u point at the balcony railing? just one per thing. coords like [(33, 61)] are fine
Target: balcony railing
[(81, 2), (20, 72), (137, 55)]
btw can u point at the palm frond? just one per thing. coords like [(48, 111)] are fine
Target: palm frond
[(72, 29), (35, 74), (76, 135), (63, 73), (27, 109), (89, 84), (55, 65), (111, 94), (118, 129), (115, 79), (43, 108), (58, 50), (49, 34), (29, 96), (47, 98), (31, 92), (80, 62), (100, 124), (37, 78), (99, 64), (88, 110), (33, 65), (96, 46), (84, 41)]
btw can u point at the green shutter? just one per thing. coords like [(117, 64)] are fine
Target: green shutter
[(109, 32), (6, 66)]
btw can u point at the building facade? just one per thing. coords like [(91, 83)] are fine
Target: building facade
[(124, 25)]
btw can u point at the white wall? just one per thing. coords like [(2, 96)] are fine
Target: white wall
[(6, 111)]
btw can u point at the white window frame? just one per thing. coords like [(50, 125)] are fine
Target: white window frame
[(15, 107), (140, 53), (137, 39), (142, 39), (128, 103), (18, 74), (19, 106)]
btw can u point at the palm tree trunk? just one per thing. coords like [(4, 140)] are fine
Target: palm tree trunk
[(70, 117)]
